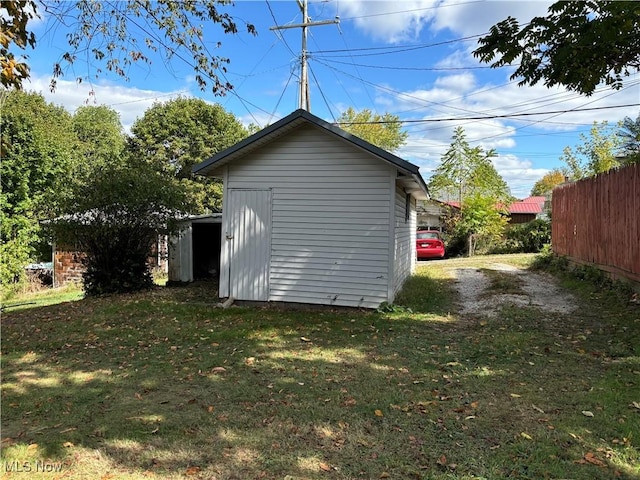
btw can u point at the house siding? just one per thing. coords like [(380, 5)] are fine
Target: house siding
[(405, 245), (330, 213)]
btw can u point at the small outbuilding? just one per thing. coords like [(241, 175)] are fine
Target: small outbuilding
[(312, 214), (194, 252)]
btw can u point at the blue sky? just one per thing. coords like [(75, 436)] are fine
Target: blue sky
[(411, 58)]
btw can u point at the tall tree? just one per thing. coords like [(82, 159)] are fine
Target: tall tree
[(467, 175), (577, 45), (39, 151), (596, 154), (106, 32), (174, 136), (548, 182), (629, 134), (466, 171), (384, 131), (101, 138)]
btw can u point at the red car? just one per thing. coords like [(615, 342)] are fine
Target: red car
[(429, 244)]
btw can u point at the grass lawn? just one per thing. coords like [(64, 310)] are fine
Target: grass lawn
[(163, 385)]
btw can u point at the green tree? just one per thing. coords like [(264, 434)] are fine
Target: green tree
[(101, 138), (481, 221), (106, 31), (548, 182), (596, 154), (466, 171), (38, 149), (384, 131), (467, 175), (115, 220), (629, 134), (577, 45), (175, 135)]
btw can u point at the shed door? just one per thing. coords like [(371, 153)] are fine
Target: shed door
[(249, 244)]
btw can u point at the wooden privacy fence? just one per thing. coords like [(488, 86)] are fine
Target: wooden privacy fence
[(597, 221)]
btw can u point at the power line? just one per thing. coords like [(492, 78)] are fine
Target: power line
[(508, 115)]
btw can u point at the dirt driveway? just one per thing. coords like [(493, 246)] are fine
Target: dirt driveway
[(484, 288)]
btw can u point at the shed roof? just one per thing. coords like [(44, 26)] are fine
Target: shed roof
[(414, 181)]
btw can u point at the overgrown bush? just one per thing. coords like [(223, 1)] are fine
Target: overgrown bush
[(115, 220), (528, 237)]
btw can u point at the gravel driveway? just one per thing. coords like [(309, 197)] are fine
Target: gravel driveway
[(537, 290)]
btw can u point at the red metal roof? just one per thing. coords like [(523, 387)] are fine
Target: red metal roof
[(528, 205)]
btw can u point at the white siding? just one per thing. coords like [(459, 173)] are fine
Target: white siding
[(330, 218), (405, 239)]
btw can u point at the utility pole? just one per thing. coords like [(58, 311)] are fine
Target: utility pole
[(305, 101)]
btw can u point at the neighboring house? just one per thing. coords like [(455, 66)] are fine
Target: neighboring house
[(312, 214), (528, 209), (432, 212)]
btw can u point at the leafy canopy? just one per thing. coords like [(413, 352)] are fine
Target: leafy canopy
[(629, 133), (39, 156), (577, 45), (467, 175), (176, 135), (596, 154), (383, 131), (547, 183), (106, 33), (466, 171)]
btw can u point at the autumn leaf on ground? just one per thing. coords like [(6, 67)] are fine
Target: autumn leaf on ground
[(526, 435), (515, 395), (325, 467), (591, 459), (587, 413), (192, 471), (379, 413), (218, 370)]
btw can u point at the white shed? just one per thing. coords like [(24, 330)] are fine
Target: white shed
[(313, 214)]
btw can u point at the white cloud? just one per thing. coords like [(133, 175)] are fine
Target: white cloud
[(389, 21), (475, 18), (129, 102)]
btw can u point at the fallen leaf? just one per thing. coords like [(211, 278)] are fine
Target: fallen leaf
[(210, 408), (537, 409), (587, 413), (385, 475), (526, 435), (138, 396), (250, 361), (636, 404), (324, 467), (305, 339), (192, 471), (442, 461), (379, 413), (515, 395), (475, 404), (349, 402), (593, 460), (218, 370)]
